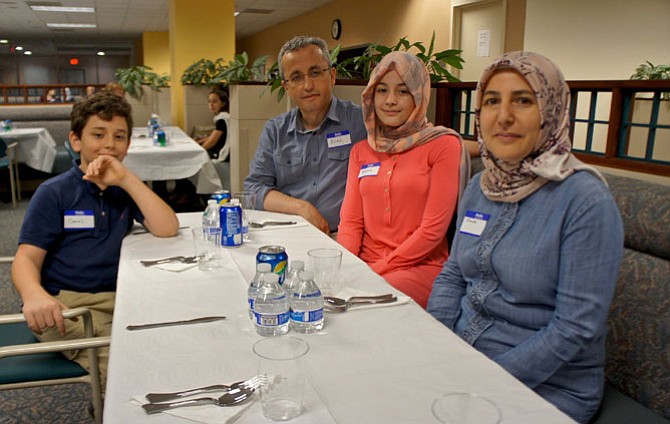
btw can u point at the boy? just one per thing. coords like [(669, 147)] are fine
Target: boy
[(71, 236)]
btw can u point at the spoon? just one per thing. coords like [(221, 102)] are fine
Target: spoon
[(336, 304)]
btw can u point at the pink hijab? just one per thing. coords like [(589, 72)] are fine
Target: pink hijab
[(551, 159), (417, 130)]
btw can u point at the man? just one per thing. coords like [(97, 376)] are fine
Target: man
[(71, 236), (300, 165)]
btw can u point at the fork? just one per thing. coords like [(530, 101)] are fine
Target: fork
[(267, 223), (252, 383), (233, 397), (183, 259)]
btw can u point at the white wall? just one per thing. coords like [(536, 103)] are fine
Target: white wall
[(599, 39)]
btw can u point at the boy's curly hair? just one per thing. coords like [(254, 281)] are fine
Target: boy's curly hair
[(105, 106)]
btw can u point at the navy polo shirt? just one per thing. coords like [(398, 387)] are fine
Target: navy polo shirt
[(84, 259)]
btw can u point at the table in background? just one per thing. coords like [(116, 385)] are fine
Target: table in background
[(181, 158), (366, 366), (36, 147)]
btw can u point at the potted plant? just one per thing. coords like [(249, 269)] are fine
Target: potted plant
[(203, 72), (132, 79), (649, 71), (219, 72)]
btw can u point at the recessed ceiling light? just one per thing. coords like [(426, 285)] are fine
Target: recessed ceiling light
[(101, 53), (19, 48), (4, 41), (236, 14), (62, 9), (52, 25), (28, 52)]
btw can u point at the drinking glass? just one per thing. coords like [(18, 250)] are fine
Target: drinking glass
[(465, 408), (207, 243), (248, 203), (326, 264), (280, 360)]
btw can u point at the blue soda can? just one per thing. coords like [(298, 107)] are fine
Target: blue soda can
[(221, 196), (160, 138), (277, 258), (231, 225)]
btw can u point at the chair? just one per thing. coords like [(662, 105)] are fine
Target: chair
[(7, 161), (70, 151), (26, 362)]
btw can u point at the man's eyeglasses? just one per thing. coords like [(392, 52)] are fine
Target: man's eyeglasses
[(298, 79)]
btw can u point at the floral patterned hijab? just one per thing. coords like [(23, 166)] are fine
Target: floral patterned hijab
[(551, 159)]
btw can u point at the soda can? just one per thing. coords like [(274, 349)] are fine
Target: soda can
[(160, 138), (231, 225), (277, 258), (221, 196)]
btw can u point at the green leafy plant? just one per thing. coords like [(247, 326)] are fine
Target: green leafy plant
[(132, 79), (219, 72), (360, 67), (649, 71)]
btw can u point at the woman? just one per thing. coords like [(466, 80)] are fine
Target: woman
[(403, 183), (535, 260), (215, 143)]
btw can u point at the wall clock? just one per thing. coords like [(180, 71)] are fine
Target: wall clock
[(336, 29)]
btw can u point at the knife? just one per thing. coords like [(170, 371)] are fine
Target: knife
[(171, 323)]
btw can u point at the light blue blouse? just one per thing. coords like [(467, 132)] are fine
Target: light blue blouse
[(532, 292)]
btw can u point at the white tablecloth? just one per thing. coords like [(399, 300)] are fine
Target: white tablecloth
[(36, 147), (382, 365), (181, 158)]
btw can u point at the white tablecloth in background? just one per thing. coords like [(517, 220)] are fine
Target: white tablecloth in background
[(36, 147), (181, 158), (382, 365)]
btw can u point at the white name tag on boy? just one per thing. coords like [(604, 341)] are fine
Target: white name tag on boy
[(78, 220), (369, 169), (474, 223), (338, 139)]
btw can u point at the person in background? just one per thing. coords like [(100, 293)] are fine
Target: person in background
[(52, 96), (403, 183), (216, 142), (115, 88), (534, 264), (90, 90), (70, 240), (300, 165)]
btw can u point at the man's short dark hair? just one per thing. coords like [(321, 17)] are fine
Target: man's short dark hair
[(300, 42), (105, 106)]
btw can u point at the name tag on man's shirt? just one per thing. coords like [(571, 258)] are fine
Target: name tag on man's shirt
[(78, 220), (369, 169), (474, 223), (338, 139)]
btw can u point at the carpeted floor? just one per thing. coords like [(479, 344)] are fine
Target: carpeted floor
[(45, 405)]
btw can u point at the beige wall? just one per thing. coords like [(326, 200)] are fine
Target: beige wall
[(599, 39), (363, 22)]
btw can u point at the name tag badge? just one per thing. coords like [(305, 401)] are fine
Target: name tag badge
[(474, 223), (369, 169), (78, 220), (338, 139)]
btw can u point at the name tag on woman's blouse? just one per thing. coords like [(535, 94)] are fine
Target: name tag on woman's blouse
[(78, 220), (369, 169), (338, 139), (474, 223)]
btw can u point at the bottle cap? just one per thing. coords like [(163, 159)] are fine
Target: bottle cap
[(263, 267), (298, 264)]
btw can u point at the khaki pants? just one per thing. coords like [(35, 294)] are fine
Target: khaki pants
[(101, 306)]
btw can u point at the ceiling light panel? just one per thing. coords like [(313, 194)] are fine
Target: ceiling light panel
[(63, 9), (65, 25)]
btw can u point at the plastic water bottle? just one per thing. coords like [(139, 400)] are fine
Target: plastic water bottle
[(261, 269), (306, 305), (271, 313), (293, 277), (210, 218)]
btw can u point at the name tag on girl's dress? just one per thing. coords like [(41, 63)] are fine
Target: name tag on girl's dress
[(78, 220), (474, 223), (369, 169), (338, 139)]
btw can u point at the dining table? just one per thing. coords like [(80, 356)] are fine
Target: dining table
[(35, 147), (371, 364), (181, 157)]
